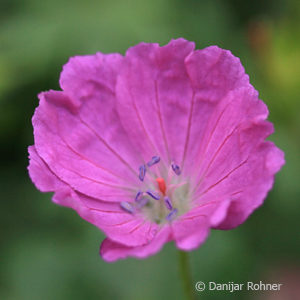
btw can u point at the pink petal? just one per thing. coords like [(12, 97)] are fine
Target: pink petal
[(233, 151), (164, 105), (88, 158), (252, 182), (245, 186), (236, 128), (214, 72), (131, 230), (91, 77), (122, 227), (78, 133), (118, 225), (192, 229), (155, 95), (40, 174), (112, 251)]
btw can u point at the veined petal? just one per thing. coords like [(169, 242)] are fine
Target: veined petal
[(155, 95), (250, 184), (245, 186), (112, 251), (192, 228), (214, 72), (88, 77), (87, 158), (40, 174), (119, 226), (234, 154), (237, 125)]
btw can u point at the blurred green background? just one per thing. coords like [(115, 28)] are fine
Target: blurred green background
[(48, 252)]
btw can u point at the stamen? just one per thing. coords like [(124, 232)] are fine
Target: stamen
[(176, 168), (127, 207), (162, 185), (154, 195), (172, 215), (139, 196), (142, 172), (154, 160), (142, 202), (168, 203)]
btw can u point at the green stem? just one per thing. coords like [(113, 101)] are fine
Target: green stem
[(185, 273)]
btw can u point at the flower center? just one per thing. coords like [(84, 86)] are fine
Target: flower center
[(163, 194)]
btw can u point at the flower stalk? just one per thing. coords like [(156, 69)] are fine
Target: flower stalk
[(185, 273)]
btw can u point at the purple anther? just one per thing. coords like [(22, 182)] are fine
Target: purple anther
[(127, 207), (142, 172), (154, 195), (172, 215), (138, 196), (142, 202), (154, 160), (175, 168), (168, 203)]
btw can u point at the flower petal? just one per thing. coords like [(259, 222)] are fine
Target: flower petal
[(233, 150), (236, 127), (214, 72), (111, 251), (78, 133), (245, 186), (40, 174), (192, 228), (81, 155), (118, 225), (155, 95), (91, 77), (167, 92), (131, 230), (251, 182)]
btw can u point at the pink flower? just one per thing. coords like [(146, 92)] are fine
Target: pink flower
[(160, 145)]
